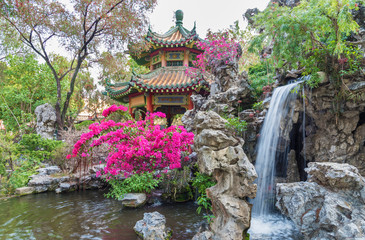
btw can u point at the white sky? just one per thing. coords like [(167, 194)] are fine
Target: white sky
[(212, 14)]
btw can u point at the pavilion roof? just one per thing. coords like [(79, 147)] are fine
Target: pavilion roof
[(162, 80), (177, 36)]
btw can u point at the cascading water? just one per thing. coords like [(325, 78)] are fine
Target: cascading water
[(266, 224)]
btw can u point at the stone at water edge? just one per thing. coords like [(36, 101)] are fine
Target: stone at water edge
[(153, 227), (24, 190), (134, 200)]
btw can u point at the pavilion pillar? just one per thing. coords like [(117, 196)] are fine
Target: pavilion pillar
[(186, 58), (130, 110), (149, 104), (191, 104), (163, 59)]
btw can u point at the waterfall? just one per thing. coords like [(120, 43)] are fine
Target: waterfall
[(273, 136)]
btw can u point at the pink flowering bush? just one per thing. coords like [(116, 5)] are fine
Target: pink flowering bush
[(135, 147), (217, 49), (114, 108)]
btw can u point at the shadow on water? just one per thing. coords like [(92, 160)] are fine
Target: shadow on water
[(86, 215)]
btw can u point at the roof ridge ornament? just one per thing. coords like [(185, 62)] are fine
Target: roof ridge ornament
[(179, 15)]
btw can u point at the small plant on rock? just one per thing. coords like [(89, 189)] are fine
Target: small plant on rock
[(202, 182)]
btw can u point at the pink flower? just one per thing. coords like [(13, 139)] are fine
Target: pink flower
[(114, 108)]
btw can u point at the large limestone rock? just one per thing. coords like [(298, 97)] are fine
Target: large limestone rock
[(331, 205), (219, 153), (46, 119), (153, 227), (333, 137)]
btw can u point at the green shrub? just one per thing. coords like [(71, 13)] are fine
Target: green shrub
[(22, 159), (36, 148), (260, 75), (236, 124), (258, 106), (137, 183), (83, 125)]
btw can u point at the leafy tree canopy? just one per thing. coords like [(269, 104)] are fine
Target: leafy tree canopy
[(80, 27), (312, 36)]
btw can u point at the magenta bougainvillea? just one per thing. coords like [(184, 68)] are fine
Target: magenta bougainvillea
[(216, 49), (135, 146)]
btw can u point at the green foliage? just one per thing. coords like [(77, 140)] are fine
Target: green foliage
[(25, 84), (202, 182), (22, 159), (36, 148), (136, 183), (260, 75), (83, 125), (236, 124), (7, 152), (19, 177), (258, 106), (311, 36)]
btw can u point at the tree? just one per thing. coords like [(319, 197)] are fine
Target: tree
[(24, 85), (80, 27), (313, 36)]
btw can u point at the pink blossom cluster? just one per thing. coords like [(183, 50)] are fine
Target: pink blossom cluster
[(219, 48), (135, 146), (114, 108)]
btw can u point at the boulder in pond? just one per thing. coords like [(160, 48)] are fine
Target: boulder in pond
[(153, 227), (134, 200), (331, 205)]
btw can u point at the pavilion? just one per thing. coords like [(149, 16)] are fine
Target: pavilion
[(166, 88)]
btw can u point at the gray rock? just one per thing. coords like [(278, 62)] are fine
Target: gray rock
[(357, 86), (206, 235), (46, 119), (48, 170), (153, 227), (335, 175), (134, 200), (96, 168), (329, 206), (24, 190), (215, 139)]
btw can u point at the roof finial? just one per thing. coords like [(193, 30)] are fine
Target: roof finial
[(179, 15)]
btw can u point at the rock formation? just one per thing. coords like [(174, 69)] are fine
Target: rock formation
[(50, 178), (153, 227), (331, 205), (332, 135), (46, 119), (219, 152)]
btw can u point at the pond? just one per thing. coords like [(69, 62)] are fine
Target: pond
[(86, 215)]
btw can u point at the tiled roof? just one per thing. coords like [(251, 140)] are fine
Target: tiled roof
[(165, 79), (175, 37)]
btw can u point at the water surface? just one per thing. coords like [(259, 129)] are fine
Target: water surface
[(86, 215)]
